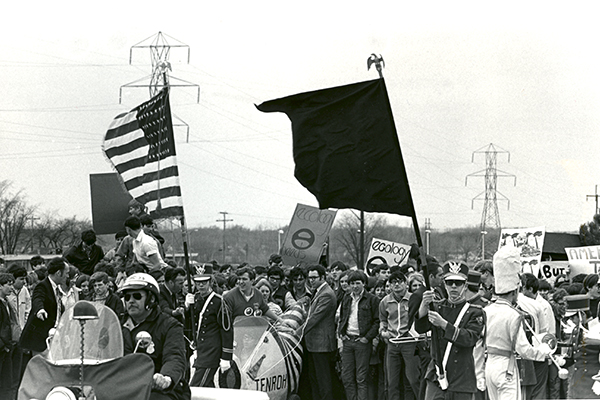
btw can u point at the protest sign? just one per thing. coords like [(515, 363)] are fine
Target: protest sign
[(389, 252), (583, 260), (530, 242), (308, 231), (549, 270)]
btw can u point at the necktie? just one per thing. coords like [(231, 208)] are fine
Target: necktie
[(59, 305)]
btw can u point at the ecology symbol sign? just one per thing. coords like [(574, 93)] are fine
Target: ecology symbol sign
[(302, 239)]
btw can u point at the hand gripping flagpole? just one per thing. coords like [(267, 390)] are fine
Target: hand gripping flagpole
[(377, 60)]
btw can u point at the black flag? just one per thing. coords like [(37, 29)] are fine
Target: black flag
[(346, 147)]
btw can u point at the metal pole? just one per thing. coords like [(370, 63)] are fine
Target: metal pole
[(362, 241), (483, 233)]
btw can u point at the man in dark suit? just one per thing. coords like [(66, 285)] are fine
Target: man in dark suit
[(319, 335), (46, 307), (174, 280)]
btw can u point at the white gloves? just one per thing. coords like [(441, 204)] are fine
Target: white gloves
[(596, 388), (224, 365), (161, 381), (189, 300), (481, 384), (545, 349)]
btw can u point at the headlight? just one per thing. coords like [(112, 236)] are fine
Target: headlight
[(61, 393)]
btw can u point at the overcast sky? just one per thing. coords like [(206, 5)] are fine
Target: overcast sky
[(460, 76)]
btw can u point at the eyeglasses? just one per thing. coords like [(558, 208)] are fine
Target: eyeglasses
[(454, 283), (136, 296), (313, 278), (298, 280), (274, 278), (397, 283)]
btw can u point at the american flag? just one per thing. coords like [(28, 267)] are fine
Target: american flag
[(141, 147)]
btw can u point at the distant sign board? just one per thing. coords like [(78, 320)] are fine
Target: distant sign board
[(109, 203), (308, 231), (583, 260), (391, 253), (530, 242)]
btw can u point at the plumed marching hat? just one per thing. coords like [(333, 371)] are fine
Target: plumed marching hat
[(507, 266), (455, 270)]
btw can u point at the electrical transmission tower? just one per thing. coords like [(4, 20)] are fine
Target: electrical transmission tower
[(490, 217), (160, 51)]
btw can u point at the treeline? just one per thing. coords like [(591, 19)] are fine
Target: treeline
[(256, 245)]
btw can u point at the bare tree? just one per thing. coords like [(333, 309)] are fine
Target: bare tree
[(14, 213), (348, 233), (54, 232)]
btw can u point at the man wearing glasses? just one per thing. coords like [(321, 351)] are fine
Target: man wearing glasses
[(319, 335), (394, 327), (140, 293), (459, 326)]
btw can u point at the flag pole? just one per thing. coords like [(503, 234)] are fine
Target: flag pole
[(184, 239), (379, 64)]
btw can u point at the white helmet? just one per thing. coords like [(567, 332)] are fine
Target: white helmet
[(141, 280)]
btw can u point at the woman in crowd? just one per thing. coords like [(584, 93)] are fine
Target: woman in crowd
[(344, 285), (265, 287), (415, 281), (83, 286)]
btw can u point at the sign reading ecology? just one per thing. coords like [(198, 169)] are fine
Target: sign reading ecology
[(308, 231), (583, 260), (530, 242), (384, 251)]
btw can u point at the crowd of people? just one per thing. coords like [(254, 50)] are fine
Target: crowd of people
[(422, 330)]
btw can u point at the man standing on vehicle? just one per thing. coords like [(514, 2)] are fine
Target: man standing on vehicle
[(140, 292)]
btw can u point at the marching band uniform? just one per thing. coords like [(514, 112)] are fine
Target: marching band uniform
[(214, 336), (504, 331), (463, 330)]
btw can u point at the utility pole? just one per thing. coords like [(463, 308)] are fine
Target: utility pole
[(490, 217), (33, 218), (224, 221), (596, 197)]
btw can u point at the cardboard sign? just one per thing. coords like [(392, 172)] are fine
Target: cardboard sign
[(583, 260), (530, 242), (549, 270), (308, 231), (391, 253)]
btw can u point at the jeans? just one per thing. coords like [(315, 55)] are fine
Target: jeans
[(355, 367), (402, 363)]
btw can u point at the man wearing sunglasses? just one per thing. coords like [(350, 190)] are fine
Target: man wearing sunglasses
[(140, 292), (459, 326)]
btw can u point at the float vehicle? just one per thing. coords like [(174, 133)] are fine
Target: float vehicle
[(266, 358), (85, 361)]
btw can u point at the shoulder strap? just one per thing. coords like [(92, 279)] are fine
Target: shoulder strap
[(462, 313), (208, 299)]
